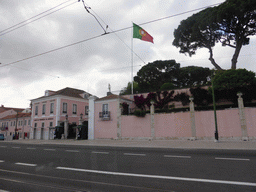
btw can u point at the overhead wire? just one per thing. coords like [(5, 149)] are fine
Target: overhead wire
[(97, 36), (18, 25), (51, 51), (35, 71), (117, 36)]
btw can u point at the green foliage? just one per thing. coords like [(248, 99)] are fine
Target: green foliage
[(183, 97), (125, 108), (231, 23), (153, 75), (167, 75), (127, 90), (201, 96), (139, 113), (193, 76), (228, 83), (167, 86), (232, 78)]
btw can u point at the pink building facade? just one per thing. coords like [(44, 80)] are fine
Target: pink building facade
[(107, 113), (16, 126), (54, 108)]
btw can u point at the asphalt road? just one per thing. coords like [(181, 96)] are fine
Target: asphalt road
[(25, 167)]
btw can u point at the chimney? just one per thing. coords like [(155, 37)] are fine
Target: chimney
[(109, 93), (48, 92)]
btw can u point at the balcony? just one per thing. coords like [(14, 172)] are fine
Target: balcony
[(104, 115)]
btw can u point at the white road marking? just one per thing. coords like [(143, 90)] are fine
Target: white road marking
[(75, 151), (3, 146), (100, 152), (135, 154), (1, 161), (30, 148), (3, 190), (26, 164), (160, 177), (175, 156), (50, 149), (15, 147), (234, 159)]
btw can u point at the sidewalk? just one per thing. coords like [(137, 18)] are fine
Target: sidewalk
[(179, 144)]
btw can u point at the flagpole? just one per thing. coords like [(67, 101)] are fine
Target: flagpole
[(132, 62)]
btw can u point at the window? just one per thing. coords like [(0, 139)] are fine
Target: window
[(25, 122), (21, 122), (36, 110), (35, 125), (13, 123), (43, 109), (104, 108), (52, 108), (65, 107), (43, 125), (74, 108), (51, 124), (105, 114), (86, 110), (28, 122), (7, 124)]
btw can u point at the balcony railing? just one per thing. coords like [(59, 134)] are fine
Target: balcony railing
[(104, 115)]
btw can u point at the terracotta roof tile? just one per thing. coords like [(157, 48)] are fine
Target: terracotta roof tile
[(20, 115), (109, 97), (71, 92), (3, 109)]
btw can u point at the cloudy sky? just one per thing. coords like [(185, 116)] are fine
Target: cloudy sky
[(98, 60)]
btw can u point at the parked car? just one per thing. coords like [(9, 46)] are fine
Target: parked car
[(1, 136)]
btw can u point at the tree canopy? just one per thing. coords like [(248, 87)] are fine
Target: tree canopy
[(153, 75), (167, 75), (229, 82), (231, 23)]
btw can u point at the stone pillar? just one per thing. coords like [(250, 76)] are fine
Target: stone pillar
[(91, 118), (119, 113), (242, 117), (152, 120), (192, 119), (66, 129)]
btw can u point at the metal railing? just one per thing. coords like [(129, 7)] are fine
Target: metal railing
[(104, 115)]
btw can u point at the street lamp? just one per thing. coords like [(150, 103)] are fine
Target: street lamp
[(81, 116), (216, 134), (66, 117)]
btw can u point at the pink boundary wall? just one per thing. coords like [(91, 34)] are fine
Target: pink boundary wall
[(228, 123), (174, 125), (250, 115), (132, 126)]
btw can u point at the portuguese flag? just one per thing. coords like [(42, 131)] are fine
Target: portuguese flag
[(140, 33)]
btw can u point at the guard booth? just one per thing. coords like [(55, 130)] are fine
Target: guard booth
[(82, 131), (59, 130)]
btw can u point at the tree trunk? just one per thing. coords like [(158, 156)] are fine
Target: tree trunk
[(213, 61), (236, 54)]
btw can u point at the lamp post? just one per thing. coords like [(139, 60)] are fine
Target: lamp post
[(216, 134)]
